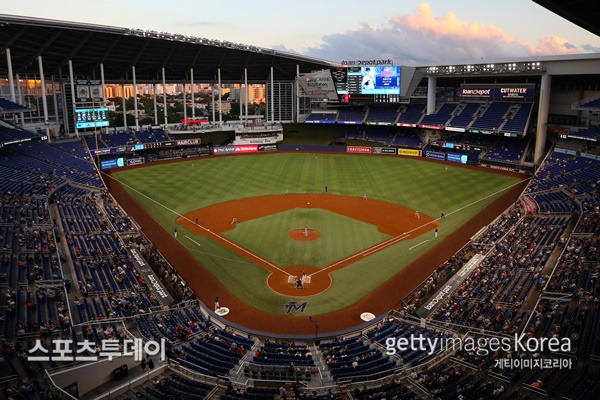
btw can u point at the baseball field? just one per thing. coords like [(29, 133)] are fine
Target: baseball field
[(254, 223)]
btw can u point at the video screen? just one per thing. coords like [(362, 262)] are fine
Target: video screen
[(456, 157), (112, 163), (340, 80), (380, 80), (91, 117)]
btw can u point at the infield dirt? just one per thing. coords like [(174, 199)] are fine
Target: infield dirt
[(391, 219)]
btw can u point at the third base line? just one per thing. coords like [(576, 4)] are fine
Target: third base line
[(417, 245)]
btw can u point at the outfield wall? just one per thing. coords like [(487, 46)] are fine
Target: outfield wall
[(311, 147)]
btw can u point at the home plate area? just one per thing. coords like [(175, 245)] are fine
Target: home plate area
[(299, 281)]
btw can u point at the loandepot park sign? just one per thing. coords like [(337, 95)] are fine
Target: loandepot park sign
[(364, 63), (318, 84)]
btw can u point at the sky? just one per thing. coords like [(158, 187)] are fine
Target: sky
[(409, 32)]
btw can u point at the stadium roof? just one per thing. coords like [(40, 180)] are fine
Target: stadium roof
[(583, 13), (119, 49), (581, 70), (532, 58)]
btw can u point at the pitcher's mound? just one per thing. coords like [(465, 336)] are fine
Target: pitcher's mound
[(305, 235)]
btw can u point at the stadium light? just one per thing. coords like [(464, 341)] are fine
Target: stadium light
[(512, 67)]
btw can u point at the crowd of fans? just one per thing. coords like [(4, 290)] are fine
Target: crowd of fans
[(169, 275), (97, 234), (281, 352)]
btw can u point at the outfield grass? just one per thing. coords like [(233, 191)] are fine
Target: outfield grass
[(341, 236), (170, 190)]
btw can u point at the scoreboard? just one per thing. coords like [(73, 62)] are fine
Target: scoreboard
[(91, 117), (354, 80), (377, 80), (377, 84), (340, 80), (380, 80)]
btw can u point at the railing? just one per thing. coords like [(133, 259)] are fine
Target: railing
[(127, 332), (445, 326), (371, 377), (535, 390), (8, 378), (212, 393), (586, 100), (418, 386), (151, 310), (132, 383), (177, 366), (560, 258), (242, 361), (345, 383), (49, 283), (60, 393)]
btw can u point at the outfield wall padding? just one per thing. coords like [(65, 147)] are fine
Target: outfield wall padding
[(312, 147)]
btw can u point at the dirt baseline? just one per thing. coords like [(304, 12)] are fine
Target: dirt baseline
[(389, 218)]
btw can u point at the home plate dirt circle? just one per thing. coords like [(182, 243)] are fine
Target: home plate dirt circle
[(278, 281), (305, 235)]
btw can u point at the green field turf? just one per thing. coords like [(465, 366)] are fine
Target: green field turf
[(341, 236), (171, 189)]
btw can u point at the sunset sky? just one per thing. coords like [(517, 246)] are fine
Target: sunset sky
[(410, 32)]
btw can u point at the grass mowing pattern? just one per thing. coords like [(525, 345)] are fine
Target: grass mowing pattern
[(341, 236), (429, 187)]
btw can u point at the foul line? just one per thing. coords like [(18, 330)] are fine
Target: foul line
[(383, 245), (365, 253), (192, 240), (487, 197), (417, 245), (247, 262), (201, 227)]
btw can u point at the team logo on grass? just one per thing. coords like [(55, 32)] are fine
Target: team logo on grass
[(291, 307)]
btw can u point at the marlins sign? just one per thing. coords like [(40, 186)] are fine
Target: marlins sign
[(291, 307)]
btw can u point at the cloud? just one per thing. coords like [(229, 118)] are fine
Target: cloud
[(553, 45), (197, 23), (421, 38), (590, 48), (281, 47)]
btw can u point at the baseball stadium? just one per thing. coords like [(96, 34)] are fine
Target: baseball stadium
[(166, 235)]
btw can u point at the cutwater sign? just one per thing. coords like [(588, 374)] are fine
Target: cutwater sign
[(498, 92)]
